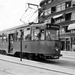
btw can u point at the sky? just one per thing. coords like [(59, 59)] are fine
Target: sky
[(12, 10)]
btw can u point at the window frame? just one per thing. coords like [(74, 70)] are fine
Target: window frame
[(27, 37), (52, 35)]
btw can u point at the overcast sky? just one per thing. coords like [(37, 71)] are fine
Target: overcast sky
[(12, 10)]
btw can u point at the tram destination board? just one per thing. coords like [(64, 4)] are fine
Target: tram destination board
[(53, 26)]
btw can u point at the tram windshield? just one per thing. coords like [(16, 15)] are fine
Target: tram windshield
[(52, 35), (52, 32)]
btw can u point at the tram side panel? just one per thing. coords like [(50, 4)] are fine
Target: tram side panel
[(3, 47), (30, 46), (26, 46), (16, 47), (34, 47), (46, 47)]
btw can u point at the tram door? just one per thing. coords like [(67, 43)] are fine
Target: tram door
[(10, 43)]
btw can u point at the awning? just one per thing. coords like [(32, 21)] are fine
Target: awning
[(71, 26), (57, 16)]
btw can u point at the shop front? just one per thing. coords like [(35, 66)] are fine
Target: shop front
[(71, 27), (73, 43), (66, 43)]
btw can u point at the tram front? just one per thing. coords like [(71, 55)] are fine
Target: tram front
[(45, 41), (53, 44)]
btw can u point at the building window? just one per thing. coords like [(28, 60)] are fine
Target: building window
[(73, 31), (52, 20), (63, 6), (62, 31), (59, 20), (68, 17), (68, 4), (49, 1), (45, 3), (60, 7), (48, 21), (73, 15), (47, 12), (53, 9)]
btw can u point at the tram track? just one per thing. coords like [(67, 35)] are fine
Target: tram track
[(39, 67)]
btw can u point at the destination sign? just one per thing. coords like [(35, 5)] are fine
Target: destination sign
[(52, 26)]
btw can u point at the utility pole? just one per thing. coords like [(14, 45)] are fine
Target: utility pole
[(21, 34)]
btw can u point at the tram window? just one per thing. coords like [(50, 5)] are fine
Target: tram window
[(12, 37), (28, 28), (0, 37), (18, 34), (4, 38), (38, 34), (42, 35), (27, 35), (35, 34), (51, 35)]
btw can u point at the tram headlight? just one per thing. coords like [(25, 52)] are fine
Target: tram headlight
[(56, 49)]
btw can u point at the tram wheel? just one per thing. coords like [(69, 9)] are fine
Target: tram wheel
[(3, 52), (42, 57), (30, 56)]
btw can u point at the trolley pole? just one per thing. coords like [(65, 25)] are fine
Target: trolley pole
[(21, 45)]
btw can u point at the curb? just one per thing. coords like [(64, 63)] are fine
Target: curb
[(68, 54)]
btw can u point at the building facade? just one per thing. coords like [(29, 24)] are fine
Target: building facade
[(60, 12)]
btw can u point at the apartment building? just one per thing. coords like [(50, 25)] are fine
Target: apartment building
[(60, 12)]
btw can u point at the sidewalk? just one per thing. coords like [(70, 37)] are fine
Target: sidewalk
[(68, 54)]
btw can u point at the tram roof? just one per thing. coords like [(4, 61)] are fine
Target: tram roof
[(38, 24), (43, 24), (28, 25), (16, 27)]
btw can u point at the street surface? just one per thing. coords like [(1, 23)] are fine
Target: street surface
[(8, 68), (13, 66), (63, 62)]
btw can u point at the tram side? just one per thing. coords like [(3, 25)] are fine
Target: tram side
[(37, 42)]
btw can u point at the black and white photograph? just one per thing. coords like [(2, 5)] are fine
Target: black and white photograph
[(37, 37)]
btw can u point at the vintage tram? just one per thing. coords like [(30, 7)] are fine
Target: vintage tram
[(38, 41)]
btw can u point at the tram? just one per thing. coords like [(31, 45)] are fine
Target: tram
[(38, 40)]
